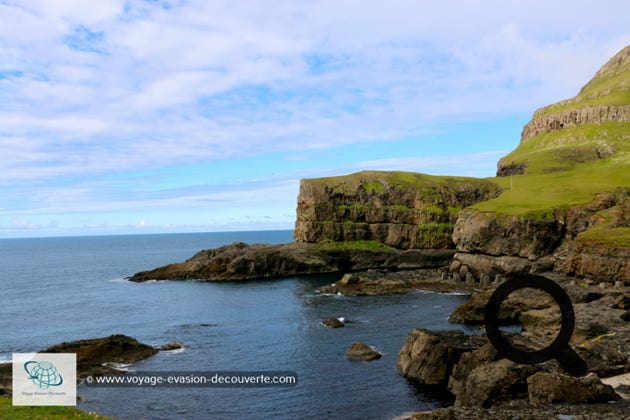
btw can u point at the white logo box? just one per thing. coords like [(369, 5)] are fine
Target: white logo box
[(44, 379)]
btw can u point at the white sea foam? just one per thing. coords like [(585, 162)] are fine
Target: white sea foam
[(174, 351), (119, 280), (123, 367)]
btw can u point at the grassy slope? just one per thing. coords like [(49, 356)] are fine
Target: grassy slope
[(563, 168), (8, 411)]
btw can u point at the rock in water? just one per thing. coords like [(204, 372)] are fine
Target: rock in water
[(333, 323), (92, 354), (173, 345), (361, 351)]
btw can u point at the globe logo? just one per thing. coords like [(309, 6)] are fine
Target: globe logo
[(43, 374)]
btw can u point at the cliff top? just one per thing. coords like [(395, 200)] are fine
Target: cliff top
[(609, 86), (374, 181)]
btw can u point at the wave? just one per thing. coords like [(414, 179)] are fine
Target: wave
[(123, 367), (174, 351), (119, 280)]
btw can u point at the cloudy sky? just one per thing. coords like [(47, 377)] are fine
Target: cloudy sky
[(202, 115)]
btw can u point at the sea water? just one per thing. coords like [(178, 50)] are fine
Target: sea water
[(63, 289)]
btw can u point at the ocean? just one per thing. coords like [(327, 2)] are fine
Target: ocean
[(63, 289)]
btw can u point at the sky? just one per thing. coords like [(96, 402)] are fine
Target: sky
[(130, 117)]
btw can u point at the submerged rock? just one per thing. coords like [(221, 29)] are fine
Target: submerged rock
[(361, 351)]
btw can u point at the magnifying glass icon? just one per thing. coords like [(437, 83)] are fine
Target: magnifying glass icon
[(559, 349)]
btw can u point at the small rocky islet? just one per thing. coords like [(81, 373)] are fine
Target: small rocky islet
[(96, 356), (559, 206)]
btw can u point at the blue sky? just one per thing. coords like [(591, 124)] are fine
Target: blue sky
[(175, 116)]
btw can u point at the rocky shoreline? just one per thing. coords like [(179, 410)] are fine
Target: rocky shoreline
[(240, 261), (95, 357), (482, 383), (488, 386)]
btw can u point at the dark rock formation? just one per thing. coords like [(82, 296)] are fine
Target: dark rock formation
[(511, 310), (333, 323), (400, 209), (494, 382), (494, 244), (378, 282), (240, 261), (499, 235), (546, 388), (594, 261), (94, 356), (361, 351)]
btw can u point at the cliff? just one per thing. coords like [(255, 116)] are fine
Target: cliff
[(565, 205), (400, 209)]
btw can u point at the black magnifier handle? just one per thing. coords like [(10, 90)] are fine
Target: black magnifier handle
[(570, 361)]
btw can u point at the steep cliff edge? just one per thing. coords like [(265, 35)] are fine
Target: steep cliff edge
[(401, 209)]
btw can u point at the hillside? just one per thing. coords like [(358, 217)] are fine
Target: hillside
[(571, 150)]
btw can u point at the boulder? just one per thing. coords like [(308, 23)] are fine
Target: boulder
[(428, 357), (361, 351), (473, 311), (494, 382), (546, 388)]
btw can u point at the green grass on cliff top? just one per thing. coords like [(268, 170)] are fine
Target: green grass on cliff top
[(537, 194), (373, 181), (10, 412)]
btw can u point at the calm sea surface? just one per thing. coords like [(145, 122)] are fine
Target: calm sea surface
[(62, 289)]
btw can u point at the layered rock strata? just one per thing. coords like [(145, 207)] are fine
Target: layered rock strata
[(400, 209)]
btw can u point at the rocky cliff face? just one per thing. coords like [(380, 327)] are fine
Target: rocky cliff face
[(543, 123), (402, 210)]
